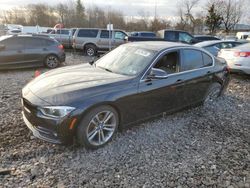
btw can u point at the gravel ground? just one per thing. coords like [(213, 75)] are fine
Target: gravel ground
[(201, 147)]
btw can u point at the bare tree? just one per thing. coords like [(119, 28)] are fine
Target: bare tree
[(187, 20), (231, 11)]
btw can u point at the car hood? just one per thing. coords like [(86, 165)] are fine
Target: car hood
[(61, 85)]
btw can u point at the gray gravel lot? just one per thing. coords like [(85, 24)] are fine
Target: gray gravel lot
[(200, 147)]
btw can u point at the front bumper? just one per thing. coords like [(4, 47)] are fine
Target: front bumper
[(50, 130), (42, 133)]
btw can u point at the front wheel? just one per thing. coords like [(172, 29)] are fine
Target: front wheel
[(90, 50), (51, 61), (97, 127), (213, 93)]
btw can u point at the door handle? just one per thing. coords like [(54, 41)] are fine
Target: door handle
[(45, 49), (208, 72), (19, 51), (179, 80)]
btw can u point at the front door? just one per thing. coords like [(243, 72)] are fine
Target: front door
[(161, 95)]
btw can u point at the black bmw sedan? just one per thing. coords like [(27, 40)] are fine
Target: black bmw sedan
[(133, 82)]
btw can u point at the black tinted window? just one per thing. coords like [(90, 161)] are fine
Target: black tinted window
[(207, 60), (62, 32), (191, 59), (105, 34), (14, 43), (147, 34), (34, 43), (91, 33), (170, 36)]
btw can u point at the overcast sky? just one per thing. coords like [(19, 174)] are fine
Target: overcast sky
[(128, 7)]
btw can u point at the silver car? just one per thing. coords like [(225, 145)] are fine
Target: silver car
[(92, 41), (238, 58), (214, 46)]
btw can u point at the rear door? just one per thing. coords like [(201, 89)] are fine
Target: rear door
[(196, 74), (103, 41), (13, 54)]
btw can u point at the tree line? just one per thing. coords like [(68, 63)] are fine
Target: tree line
[(215, 15)]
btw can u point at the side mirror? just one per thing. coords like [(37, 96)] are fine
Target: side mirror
[(2, 47), (194, 41), (157, 74), (125, 39)]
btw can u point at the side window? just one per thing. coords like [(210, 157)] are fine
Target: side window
[(191, 59), (218, 45), (104, 34), (31, 43), (207, 60), (169, 62), (119, 35), (14, 43), (170, 36), (226, 45), (184, 37), (62, 32), (90, 33)]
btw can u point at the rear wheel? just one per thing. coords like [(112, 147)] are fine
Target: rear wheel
[(97, 127), (51, 61), (90, 50), (213, 93)]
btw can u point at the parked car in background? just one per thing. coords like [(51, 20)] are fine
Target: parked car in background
[(21, 51), (238, 58), (242, 35), (216, 45), (202, 38), (230, 37), (91, 41), (168, 35), (64, 36), (133, 82), (142, 34), (14, 31)]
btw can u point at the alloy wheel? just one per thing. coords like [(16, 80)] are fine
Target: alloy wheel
[(52, 61), (101, 128), (90, 52)]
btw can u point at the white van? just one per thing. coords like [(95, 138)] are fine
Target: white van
[(242, 35)]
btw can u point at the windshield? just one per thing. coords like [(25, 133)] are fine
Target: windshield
[(126, 60)]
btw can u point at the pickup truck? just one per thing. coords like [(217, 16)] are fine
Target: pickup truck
[(94, 40), (64, 36), (167, 35)]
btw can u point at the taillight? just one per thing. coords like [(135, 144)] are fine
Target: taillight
[(241, 54), (60, 47)]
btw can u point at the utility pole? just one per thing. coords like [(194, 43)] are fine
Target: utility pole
[(155, 9)]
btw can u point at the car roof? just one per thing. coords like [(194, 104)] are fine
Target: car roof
[(206, 36), (156, 45), (40, 36), (243, 47), (212, 42), (143, 32)]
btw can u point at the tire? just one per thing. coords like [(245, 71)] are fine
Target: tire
[(97, 127), (90, 50), (51, 61), (213, 93)]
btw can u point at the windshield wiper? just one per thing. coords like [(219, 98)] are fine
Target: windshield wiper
[(106, 69)]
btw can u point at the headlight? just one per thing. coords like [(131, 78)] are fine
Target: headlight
[(56, 111)]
